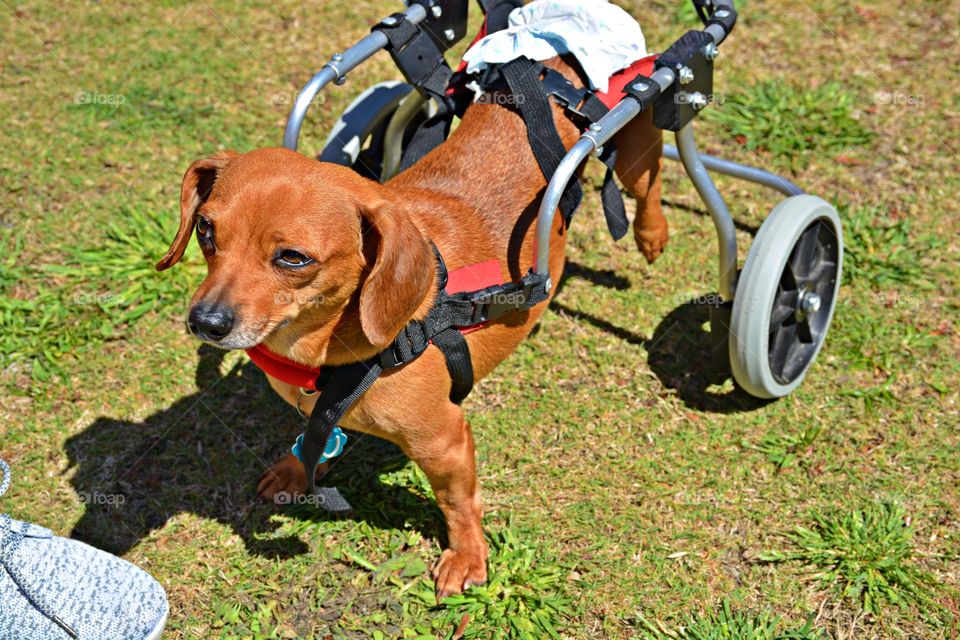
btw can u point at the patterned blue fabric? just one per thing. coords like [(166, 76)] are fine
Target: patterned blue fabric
[(335, 444), (53, 588)]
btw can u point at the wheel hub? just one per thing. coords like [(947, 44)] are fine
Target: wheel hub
[(808, 304)]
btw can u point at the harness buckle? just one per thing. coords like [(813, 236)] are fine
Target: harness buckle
[(408, 345), (568, 96), (493, 302)]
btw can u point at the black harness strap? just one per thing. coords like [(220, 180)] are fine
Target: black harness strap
[(450, 313), (433, 131), (532, 84), (340, 388), (343, 385), (523, 77), (429, 135), (399, 31), (451, 342), (498, 13), (420, 59), (613, 209), (610, 196), (456, 352)]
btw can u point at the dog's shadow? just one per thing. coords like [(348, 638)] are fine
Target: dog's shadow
[(204, 454), (681, 352)]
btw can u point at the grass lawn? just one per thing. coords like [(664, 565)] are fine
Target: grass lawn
[(632, 490)]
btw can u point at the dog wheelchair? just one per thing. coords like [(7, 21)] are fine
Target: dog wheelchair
[(773, 315)]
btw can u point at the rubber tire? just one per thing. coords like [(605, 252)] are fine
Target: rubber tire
[(360, 119), (757, 287)]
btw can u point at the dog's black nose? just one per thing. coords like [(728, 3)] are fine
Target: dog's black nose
[(210, 322)]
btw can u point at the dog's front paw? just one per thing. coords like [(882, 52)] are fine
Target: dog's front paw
[(458, 570), (284, 479)]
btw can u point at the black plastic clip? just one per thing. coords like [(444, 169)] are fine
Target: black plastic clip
[(568, 96), (493, 302), (407, 346)]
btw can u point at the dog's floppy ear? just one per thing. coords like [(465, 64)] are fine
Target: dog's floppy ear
[(401, 277), (197, 184)]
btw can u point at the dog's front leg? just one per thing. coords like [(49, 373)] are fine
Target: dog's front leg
[(446, 455), (286, 477)]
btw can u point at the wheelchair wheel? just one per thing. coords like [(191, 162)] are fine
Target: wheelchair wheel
[(785, 296), (357, 138)]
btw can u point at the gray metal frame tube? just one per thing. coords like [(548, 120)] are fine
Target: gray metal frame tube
[(551, 199), (337, 68), (741, 171), (722, 221), (598, 134), (716, 32)]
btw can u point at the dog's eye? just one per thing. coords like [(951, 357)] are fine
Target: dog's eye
[(291, 258), (204, 231)]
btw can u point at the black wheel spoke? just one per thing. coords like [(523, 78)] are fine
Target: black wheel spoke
[(822, 270), (780, 343), (804, 255), (796, 357), (804, 333), (781, 312), (788, 280)]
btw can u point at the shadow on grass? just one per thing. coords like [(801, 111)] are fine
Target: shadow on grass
[(204, 455), (681, 352), (703, 213)]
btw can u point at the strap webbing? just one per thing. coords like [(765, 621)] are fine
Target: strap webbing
[(610, 196), (498, 13), (429, 135), (399, 31), (342, 387), (422, 63), (523, 77), (456, 352), (613, 209)]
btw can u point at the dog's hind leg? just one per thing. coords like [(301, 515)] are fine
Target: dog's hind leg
[(639, 161)]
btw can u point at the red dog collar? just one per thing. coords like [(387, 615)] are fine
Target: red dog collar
[(469, 278)]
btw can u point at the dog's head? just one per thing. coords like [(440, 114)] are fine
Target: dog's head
[(297, 249)]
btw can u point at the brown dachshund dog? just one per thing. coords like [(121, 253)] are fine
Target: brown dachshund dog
[(323, 266)]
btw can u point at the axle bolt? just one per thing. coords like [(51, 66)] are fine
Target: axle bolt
[(697, 100), (809, 304), (685, 75), (711, 51)]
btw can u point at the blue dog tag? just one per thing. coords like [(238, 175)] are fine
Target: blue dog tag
[(335, 444)]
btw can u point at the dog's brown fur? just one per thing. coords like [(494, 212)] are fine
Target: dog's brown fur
[(475, 197)]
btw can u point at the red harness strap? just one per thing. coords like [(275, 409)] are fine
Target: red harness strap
[(470, 278), (614, 93)]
